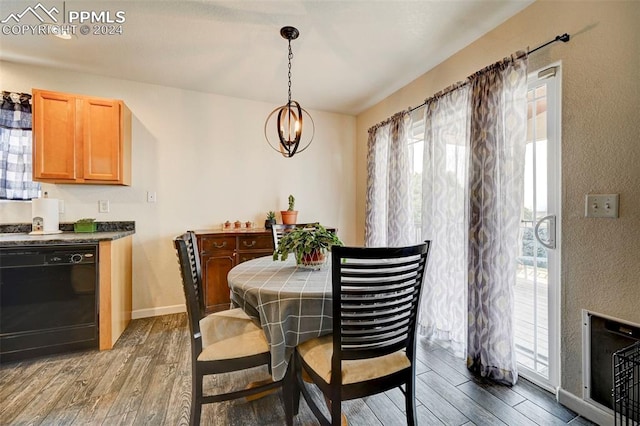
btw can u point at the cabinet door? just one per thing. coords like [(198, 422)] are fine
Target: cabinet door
[(217, 257), (215, 268), (101, 136), (54, 140)]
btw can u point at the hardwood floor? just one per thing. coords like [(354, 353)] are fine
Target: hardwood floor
[(145, 380)]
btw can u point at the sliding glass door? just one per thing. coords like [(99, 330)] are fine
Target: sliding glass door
[(538, 281)]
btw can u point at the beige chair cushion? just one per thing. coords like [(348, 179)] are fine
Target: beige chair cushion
[(317, 354), (230, 334)]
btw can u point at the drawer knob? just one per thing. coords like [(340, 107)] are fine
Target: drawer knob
[(251, 244), (216, 245)]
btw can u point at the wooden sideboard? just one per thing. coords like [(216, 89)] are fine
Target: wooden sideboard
[(222, 250)]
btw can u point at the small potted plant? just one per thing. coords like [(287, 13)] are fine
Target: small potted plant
[(308, 244), (84, 225), (290, 216), (270, 220)]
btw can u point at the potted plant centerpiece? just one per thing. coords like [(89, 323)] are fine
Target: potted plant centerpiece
[(290, 216), (308, 244)]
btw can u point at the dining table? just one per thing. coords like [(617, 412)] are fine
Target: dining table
[(292, 303)]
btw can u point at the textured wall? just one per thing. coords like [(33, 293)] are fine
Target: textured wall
[(600, 148), (206, 158)]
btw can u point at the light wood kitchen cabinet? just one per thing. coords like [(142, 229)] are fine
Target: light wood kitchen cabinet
[(115, 289), (222, 250), (80, 139)]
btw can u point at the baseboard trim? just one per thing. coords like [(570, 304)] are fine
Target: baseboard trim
[(154, 312), (586, 410)]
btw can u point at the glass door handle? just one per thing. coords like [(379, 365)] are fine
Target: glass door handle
[(551, 241)]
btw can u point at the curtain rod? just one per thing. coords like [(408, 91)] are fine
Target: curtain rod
[(563, 38)]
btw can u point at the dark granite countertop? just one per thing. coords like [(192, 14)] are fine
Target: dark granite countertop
[(18, 234)]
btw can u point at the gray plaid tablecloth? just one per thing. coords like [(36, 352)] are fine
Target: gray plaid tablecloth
[(293, 304)]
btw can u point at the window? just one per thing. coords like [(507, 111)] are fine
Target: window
[(15, 148)]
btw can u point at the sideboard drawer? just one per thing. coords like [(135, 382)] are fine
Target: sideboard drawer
[(218, 243), (255, 242)]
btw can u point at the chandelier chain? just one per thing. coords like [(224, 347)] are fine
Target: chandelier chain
[(289, 118), (289, 74)]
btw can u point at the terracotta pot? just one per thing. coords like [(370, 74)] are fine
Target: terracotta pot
[(289, 217)]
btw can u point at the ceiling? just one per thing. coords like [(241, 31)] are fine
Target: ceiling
[(350, 54)]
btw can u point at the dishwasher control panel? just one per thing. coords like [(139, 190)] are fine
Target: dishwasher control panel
[(43, 256)]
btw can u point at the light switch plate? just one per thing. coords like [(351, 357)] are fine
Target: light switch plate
[(601, 205), (103, 206), (151, 196)]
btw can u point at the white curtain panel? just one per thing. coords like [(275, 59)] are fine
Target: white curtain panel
[(388, 205), (474, 145), (496, 169), (444, 218)]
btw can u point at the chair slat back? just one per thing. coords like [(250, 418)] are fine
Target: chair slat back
[(278, 230), (376, 295), (189, 260)]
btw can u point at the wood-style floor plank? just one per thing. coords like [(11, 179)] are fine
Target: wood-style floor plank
[(94, 411), (505, 393), (545, 400), (538, 414), (146, 380), (153, 407), (471, 409), (495, 405), (22, 400), (437, 404), (452, 375)]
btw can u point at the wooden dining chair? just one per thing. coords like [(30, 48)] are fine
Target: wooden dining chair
[(277, 230), (376, 293), (221, 342)]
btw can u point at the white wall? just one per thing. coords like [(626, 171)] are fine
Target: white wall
[(206, 157)]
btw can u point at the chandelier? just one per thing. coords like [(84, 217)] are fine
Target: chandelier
[(289, 117)]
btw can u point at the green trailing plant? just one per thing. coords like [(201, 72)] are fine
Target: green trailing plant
[(305, 241), (292, 203), (85, 225), (85, 220)]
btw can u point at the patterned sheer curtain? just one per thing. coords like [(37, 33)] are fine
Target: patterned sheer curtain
[(15, 148), (498, 112), (444, 217), (472, 182), (388, 203)]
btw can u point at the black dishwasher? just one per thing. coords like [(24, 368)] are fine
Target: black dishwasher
[(48, 300)]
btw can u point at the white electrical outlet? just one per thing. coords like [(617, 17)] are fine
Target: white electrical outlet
[(103, 206), (60, 206), (151, 196), (601, 205)]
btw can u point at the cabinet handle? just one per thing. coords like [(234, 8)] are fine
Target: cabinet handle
[(224, 244), (253, 243)]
